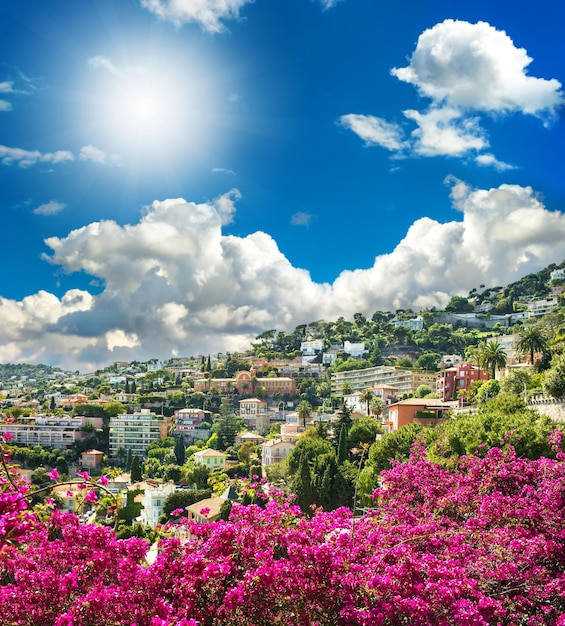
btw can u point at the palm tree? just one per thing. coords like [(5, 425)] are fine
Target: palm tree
[(366, 397), (346, 388), (378, 406), (532, 339), (492, 357), (304, 411)]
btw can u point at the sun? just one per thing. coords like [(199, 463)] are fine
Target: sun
[(144, 110)]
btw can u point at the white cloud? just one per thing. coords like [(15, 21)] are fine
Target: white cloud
[(445, 132), (5, 105), (223, 170), (489, 160), (173, 283), (7, 86), (477, 67), (91, 153), (301, 218), (50, 208), (27, 158), (375, 131), (328, 4), (208, 14), (466, 70), (101, 62)]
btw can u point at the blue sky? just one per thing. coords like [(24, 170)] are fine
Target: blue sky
[(176, 177)]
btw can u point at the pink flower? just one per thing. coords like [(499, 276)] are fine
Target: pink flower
[(8, 436), (205, 511), (91, 497), (103, 480), (50, 502), (178, 512), (84, 475), (53, 474)]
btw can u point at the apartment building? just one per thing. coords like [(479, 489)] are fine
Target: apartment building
[(187, 423), (51, 431), (136, 431), (454, 380)]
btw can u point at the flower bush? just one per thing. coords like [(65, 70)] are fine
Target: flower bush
[(482, 544)]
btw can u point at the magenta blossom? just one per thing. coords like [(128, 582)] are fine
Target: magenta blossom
[(91, 497), (103, 480), (205, 511), (84, 475), (53, 474), (178, 512)]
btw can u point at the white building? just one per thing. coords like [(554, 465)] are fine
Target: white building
[(312, 347), (153, 502), (275, 451), (354, 349)]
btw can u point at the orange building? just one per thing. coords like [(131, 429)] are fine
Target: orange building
[(246, 382), (424, 411)]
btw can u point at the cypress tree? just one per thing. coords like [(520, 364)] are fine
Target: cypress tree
[(303, 485), (135, 469), (180, 450)]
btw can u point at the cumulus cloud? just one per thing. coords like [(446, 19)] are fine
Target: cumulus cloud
[(173, 283), (49, 208), (27, 158), (476, 66), (91, 153), (208, 14), (466, 70), (446, 132)]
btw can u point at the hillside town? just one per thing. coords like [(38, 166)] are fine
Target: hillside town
[(196, 425)]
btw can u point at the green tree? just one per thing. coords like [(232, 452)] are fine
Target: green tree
[(503, 420), (180, 450), (492, 357), (363, 431), (173, 473), (304, 411), (181, 498), (378, 406), (302, 485), (532, 339), (554, 378), (366, 397), (135, 470), (488, 390), (396, 445), (422, 391)]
